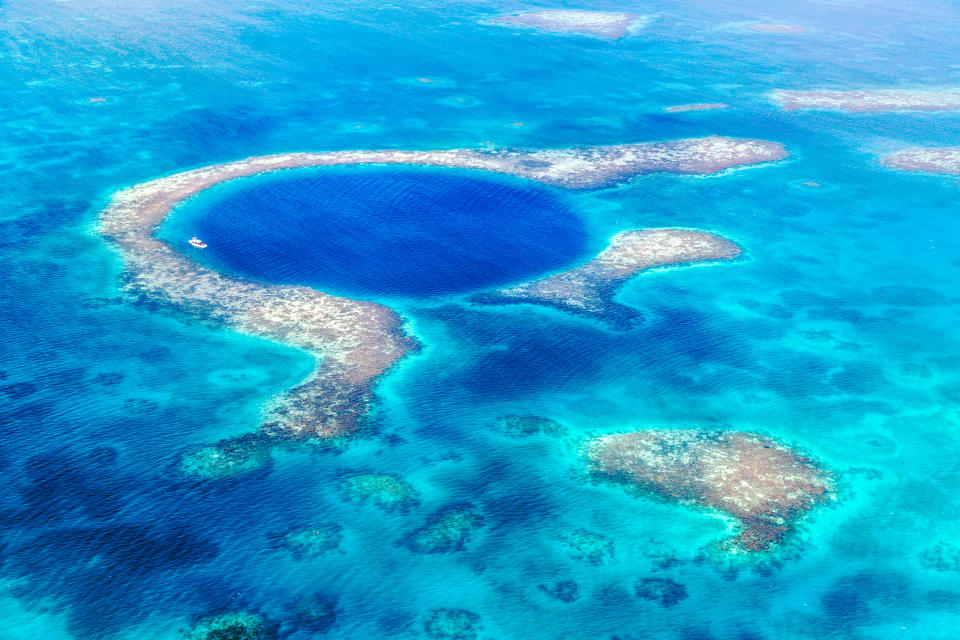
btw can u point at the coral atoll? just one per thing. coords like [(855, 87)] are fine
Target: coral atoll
[(386, 491), (875, 100), (447, 531), (588, 290), (593, 23), (355, 342), (764, 484)]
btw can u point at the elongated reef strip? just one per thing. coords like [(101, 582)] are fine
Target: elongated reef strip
[(767, 486), (770, 27), (588, 290), (945, 160), (699, 106), (602, 24), (879, 100), (356, 341)]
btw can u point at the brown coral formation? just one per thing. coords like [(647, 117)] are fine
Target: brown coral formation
[(764, 484), (594, 23), (354, 341), (876, 100), (588, 290), (945, 160)]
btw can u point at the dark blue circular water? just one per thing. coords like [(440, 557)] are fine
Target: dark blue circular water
[(386, 231)]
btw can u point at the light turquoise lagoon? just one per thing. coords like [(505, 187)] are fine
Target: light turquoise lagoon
[(835, 332)]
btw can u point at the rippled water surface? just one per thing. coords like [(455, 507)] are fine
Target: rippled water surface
[(836, 332)]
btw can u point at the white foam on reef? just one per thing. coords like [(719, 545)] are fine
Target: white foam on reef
[(871, 100), (944, 160), (354, 341), (602, 24)]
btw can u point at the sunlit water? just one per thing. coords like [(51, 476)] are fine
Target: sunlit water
[(836, 332)]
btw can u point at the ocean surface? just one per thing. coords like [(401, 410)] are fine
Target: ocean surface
[(836, 331)]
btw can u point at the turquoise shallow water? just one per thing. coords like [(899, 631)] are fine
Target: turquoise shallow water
[(836, 331)]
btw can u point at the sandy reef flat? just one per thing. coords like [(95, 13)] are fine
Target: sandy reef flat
[(588, 290), (945, 160), (594, 23), (767, 486), (354, 341), (879, 100)]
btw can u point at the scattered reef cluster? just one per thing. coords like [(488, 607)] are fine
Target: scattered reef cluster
[(945, 160), (355, 342), (447, 531), (602, 24), (517, 426), (588, 290), (383, 490), (869, 100), (942, 556), (765, 485)]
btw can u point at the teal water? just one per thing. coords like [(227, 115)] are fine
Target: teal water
[(837, 332)]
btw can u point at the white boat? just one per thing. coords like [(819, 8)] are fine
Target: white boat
[(197, 242)]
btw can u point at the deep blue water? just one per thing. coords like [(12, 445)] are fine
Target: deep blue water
[(383, 231), (838, 331)]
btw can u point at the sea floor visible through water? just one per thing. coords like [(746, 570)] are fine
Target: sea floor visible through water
[(835, 331)]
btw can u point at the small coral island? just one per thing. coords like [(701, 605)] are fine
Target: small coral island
[(355, 342), (876, 100), (588, 290), (945, 160), (593, 23), (767, 486)]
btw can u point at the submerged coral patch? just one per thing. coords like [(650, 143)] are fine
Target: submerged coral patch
[(446, 531), (524, 426), (583, 544), (764, 484), (452, 624), (310, 542), (663, 591), (386, 491), (240, 625)]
